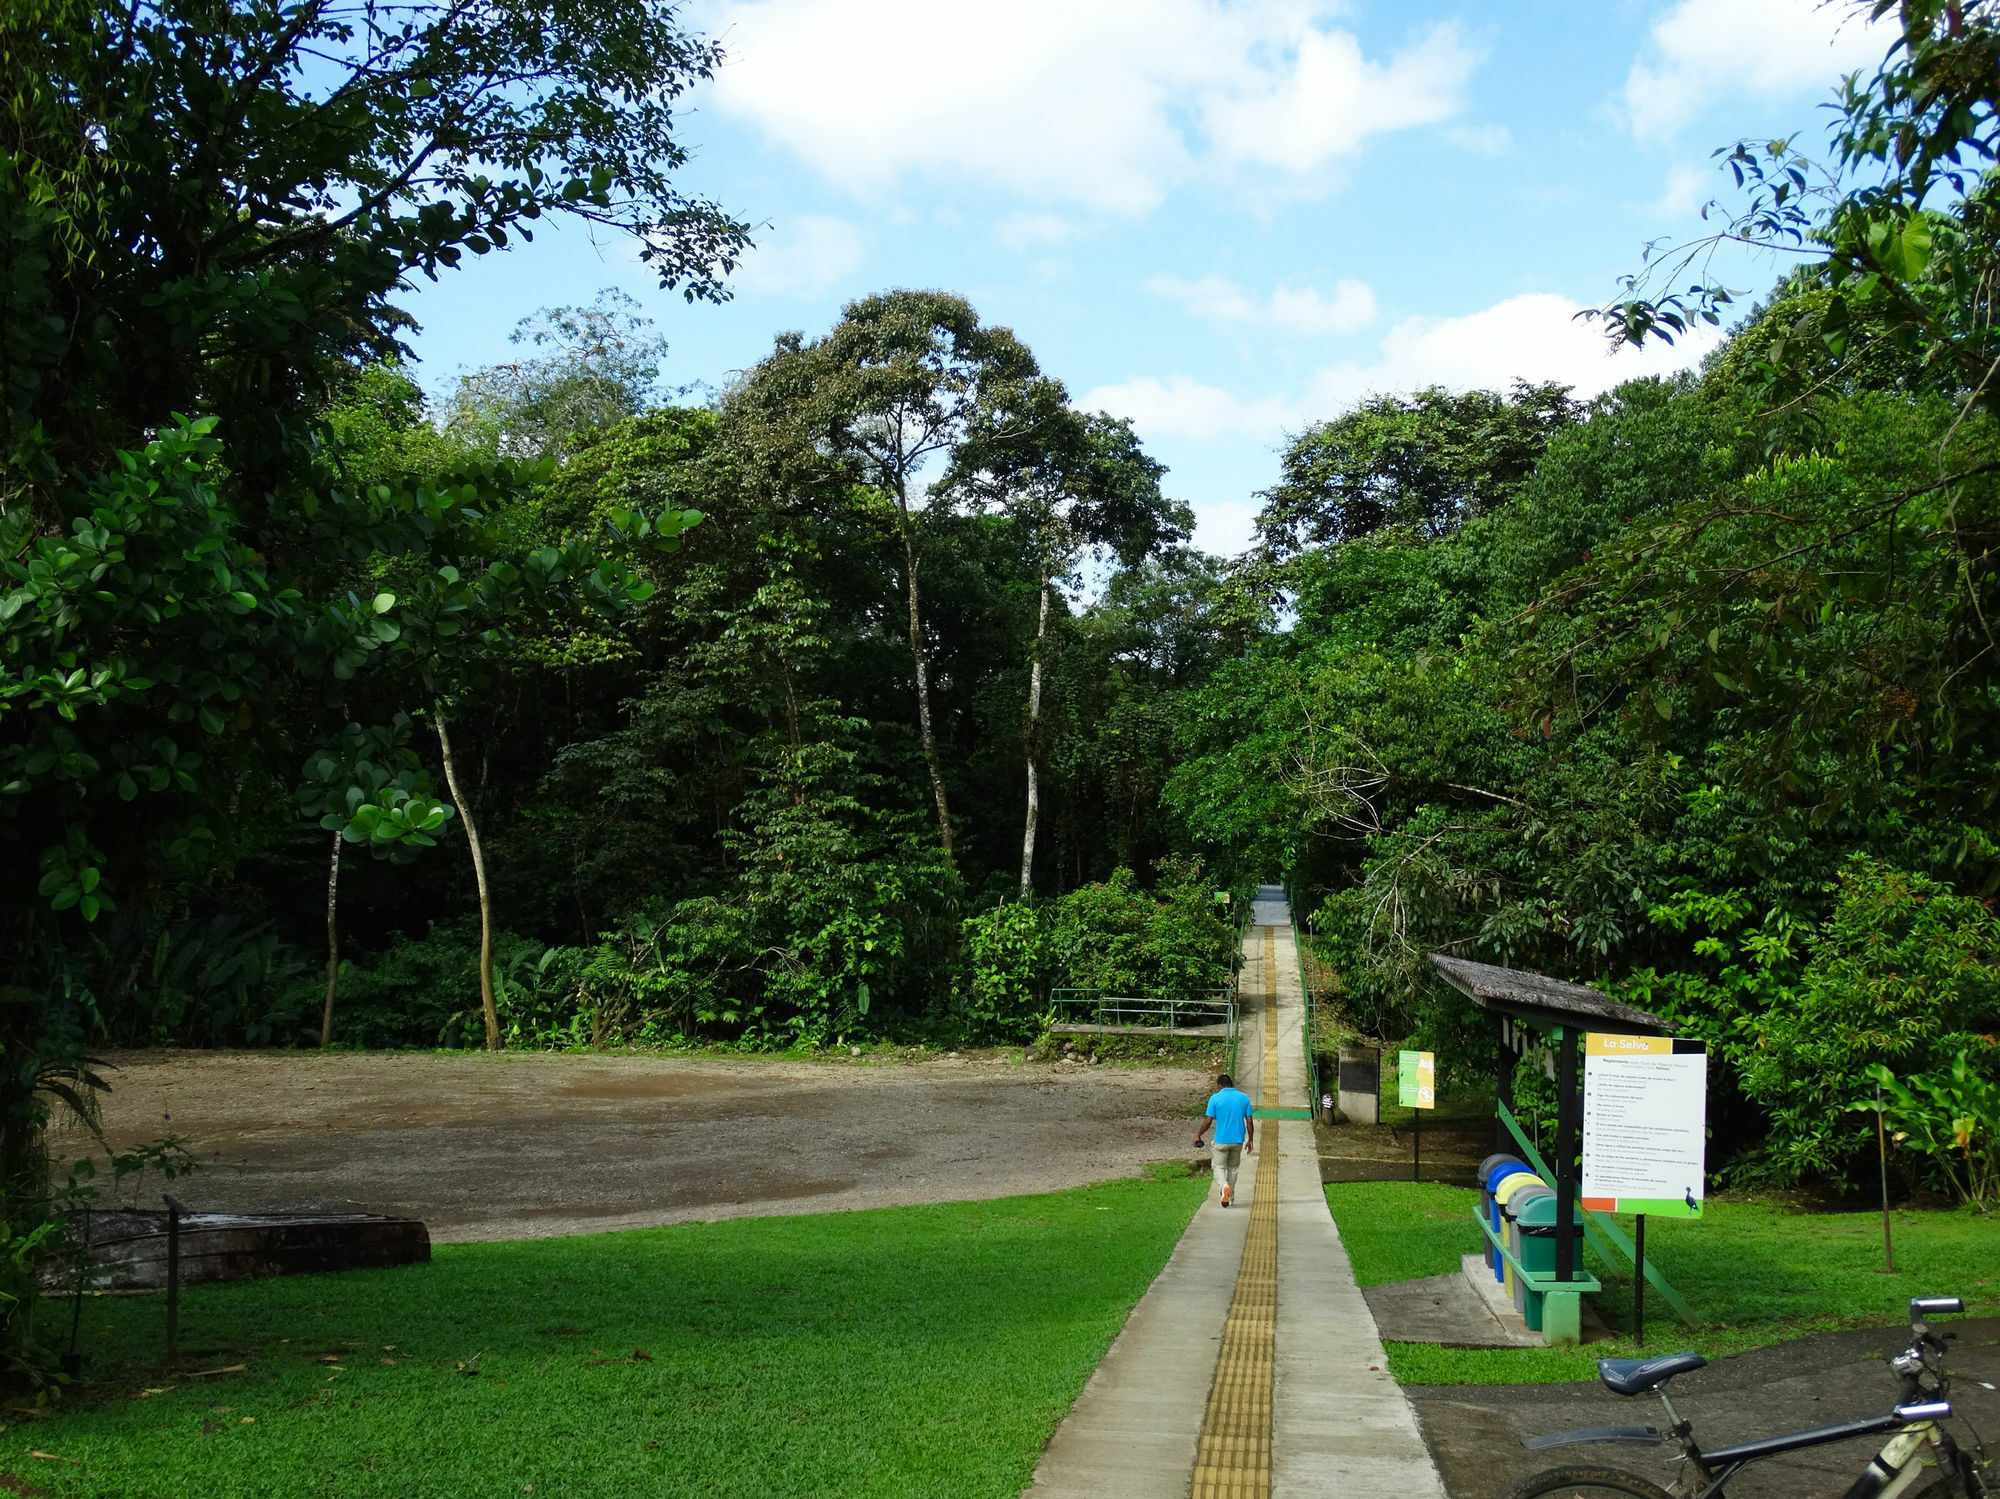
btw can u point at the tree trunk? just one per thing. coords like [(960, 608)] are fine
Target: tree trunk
[(332, 941), (923, 678), (1034, 723), (791, 702), (487, 1008)]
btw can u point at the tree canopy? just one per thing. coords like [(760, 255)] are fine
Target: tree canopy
[(885, 691)]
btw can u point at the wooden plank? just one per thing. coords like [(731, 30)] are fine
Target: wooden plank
[(128, 1248)]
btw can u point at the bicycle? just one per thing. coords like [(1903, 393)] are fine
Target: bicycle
[(1891, 1473)]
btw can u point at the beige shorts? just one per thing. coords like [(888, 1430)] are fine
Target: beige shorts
[(1224, 1160)]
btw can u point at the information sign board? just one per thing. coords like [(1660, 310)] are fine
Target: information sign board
[(1645, 1106), (1416, 1080)]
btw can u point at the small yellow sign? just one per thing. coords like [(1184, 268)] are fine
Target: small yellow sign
[(1601, 1044), (1416, 1079)]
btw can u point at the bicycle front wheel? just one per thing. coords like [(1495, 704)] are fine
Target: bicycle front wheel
[(1587, 1483)]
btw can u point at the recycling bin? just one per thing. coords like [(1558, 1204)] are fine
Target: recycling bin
[(1484, 1176), (1503, 1194), (1497, 1178), (1536, 1220), (1520, 1202)]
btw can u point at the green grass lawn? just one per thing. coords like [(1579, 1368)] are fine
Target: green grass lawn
[(904, 1351), (1753, 1271)]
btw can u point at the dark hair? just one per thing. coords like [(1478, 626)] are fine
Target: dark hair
[(1225, 1081)]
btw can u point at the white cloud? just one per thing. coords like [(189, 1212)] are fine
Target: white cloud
[(1306, 310), (1023, 230), (1213, 297), (1225, 528), (1534, 336), (1687, 189), (800, 257), (1180, 406), (1481, 140), (1705, 50), (1349, 309), (1109, 104)]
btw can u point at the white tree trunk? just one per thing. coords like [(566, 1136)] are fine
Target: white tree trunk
[(487, 1007), (332, 941), (923, 681), (1034, 777)]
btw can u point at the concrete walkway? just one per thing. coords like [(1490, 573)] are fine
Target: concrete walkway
[(1307, 1410)]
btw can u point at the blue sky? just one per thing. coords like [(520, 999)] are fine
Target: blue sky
[(1221, 220)]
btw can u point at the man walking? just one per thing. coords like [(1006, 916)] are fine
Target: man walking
[(1235, 1131)]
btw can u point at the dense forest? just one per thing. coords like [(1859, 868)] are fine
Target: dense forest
[(884, 691)]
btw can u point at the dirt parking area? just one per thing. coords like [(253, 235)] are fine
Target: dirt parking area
[(531, 1145)]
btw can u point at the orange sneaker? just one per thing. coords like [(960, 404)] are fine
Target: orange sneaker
[(1225, 1196)]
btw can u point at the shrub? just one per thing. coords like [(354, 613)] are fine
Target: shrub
[(1007, 949), (1118, 938), (1952, 1120), (1901, 973)]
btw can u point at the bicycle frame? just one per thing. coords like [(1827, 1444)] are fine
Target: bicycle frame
[(1888, 1475)]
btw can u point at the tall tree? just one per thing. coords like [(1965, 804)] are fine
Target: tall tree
[(892, 390), (1068, 482), (598, 365), (1430, 461), (206, 207), (210, 203), (366, 786)]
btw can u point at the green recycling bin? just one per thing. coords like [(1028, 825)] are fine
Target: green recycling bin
[(1517, 1204), (1536, 1224)]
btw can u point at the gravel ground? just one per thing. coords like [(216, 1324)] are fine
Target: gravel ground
[(530, 1145)]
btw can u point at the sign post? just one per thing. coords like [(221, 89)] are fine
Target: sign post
[(1416, 1088), (1645, 1108)]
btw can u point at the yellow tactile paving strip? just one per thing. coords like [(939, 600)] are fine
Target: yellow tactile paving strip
[(1233, 1458)]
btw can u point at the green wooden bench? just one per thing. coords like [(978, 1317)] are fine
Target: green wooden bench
[(1553, 1308)]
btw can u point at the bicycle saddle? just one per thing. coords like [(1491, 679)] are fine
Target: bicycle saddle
[(1635, 1376)]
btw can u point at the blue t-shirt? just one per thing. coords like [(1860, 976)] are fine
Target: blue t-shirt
[(1229, 1107)]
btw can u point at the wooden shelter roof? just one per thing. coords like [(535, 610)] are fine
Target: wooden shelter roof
[(1542, 1001)]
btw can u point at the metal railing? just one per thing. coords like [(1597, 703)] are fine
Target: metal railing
[(1201, 1012)]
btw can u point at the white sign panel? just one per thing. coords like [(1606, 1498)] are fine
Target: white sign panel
[(1645, 1125)]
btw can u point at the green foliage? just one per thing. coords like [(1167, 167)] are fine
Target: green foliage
[(1111, 936), (1901, 971), (1900, 215), (26, 1354), (1952, 1119), (1122, 940), (1426, 462), (369, 787), (1006, 950), (370, 153), (214, 980)]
